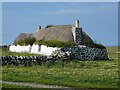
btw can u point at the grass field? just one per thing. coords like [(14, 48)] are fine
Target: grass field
[(83, 74)]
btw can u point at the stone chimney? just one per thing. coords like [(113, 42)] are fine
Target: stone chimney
[(77, 23)]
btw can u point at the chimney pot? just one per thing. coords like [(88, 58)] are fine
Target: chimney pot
[(39, 27), (77, 23)]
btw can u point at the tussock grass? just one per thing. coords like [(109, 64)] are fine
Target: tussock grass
[(55, 43)]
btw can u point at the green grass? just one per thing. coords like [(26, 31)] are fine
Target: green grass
[(83, 74), (55, 43)]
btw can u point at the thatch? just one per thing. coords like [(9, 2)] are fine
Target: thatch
[(22, 36), (86, 38), (60, 33)]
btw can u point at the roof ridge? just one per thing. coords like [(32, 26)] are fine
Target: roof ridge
[(63, 25)]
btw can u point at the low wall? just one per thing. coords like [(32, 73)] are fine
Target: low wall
[(19, 48), (77, 52), (82, 53), (47, 50), (33, 49)]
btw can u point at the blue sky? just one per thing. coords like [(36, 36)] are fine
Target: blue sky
[(98, 19)]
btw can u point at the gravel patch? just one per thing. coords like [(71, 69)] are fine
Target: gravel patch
[(31, 84)]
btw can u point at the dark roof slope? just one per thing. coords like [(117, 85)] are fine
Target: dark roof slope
[(86, 38)]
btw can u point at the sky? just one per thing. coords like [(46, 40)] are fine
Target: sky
[(98, 19), (60, 0)]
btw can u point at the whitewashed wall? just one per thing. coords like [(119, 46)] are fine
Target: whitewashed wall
[(73, 32), (19, 48), (47, 50), (33, 49)]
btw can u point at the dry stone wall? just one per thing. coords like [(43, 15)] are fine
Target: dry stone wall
[(82, 53)]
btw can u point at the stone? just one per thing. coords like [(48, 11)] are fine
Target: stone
[(82, 53)]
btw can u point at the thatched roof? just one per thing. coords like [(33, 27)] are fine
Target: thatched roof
[(86, 38), (59, 32), (22, 36)]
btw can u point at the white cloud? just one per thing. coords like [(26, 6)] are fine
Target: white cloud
[(65, 11)]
